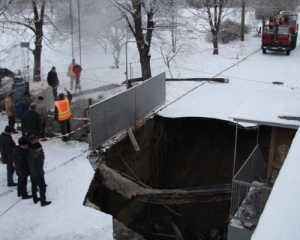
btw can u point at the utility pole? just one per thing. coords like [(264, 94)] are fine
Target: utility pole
[(243, 22), (79, 31), (71, 17), (242, 45)]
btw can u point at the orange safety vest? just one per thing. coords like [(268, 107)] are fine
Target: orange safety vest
[(63, 109)]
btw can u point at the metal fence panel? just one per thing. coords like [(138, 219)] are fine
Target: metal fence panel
[(150, 94), (111, 116), (248, 191)]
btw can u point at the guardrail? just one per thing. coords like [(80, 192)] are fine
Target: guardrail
[(249, 194)]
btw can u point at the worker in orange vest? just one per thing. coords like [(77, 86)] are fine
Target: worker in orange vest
[(62, 113)]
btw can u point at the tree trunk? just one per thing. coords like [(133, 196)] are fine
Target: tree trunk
[(143, 41), (37, 63), (145, 62), (37, 52), (215, 44)]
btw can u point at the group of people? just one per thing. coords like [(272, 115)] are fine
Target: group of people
[(74, 72), (33, 116), (27, 159)]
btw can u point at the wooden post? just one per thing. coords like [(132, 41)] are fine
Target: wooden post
[(133, 140)]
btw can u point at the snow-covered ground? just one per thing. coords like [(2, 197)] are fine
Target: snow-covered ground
[(68, 172)]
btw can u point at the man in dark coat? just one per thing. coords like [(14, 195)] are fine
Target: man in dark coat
[(32, 121), (53, 81), (6, 146), (32, 139), (19, 155), (22, 106), (36, 166)]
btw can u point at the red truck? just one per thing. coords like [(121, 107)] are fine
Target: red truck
[(281, 33)]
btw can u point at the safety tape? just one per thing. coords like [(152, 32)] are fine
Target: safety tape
[(84, 119), (65, 135), (245, 79), (157, 59)]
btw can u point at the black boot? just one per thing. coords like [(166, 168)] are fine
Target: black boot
[(12, 184), (27, 196), (36, 200), (45, 203)]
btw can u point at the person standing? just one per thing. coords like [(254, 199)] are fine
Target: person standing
[(41, 109), (6, 146), (36, 167), (62, 113), (10, 111), (32, 139), (71, 74), (53, 81), (32, 121), (77, 70), (19, 156), (21, 106)]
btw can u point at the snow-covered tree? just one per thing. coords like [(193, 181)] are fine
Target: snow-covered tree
[(111, 28), (139, 16), (27, 18), (212, 12)]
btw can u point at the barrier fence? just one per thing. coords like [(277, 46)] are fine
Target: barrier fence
[(249, 194)]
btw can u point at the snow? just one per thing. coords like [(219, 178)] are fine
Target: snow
[(68, 174), (249, 94)]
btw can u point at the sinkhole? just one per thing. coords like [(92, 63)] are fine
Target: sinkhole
[(176, 186)]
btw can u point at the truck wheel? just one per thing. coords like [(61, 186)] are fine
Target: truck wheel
[(293, 46), (264, 51), (288, 52)]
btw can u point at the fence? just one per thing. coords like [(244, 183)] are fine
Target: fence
[(113, 115), (249, 194)]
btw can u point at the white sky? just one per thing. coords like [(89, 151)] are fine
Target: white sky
[(249, 94)]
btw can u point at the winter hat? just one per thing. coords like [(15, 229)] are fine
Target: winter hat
[(8, 129), (53, 68), (61, 96), (36, 145), (32, 137), (32, 106), (23, 141)]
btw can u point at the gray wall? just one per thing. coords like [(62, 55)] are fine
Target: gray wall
[(236, 233), (113, 115)]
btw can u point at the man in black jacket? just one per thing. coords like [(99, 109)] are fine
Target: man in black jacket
[(32, 121), (19, 155), (53, 81), (36, 166), (6, 146)]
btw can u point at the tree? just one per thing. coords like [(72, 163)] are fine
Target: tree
[(18, 14), (212, 12), (266, 8), (112, 29), (168, 18), (139, 16)]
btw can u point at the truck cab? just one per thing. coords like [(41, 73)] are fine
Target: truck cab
[(276, 38)]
